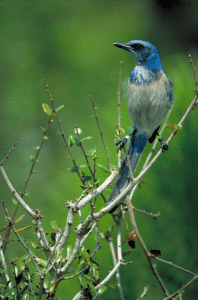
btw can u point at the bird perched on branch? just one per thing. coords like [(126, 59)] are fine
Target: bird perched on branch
[(149, 96)]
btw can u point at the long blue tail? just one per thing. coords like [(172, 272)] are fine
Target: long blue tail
[(134, 151)]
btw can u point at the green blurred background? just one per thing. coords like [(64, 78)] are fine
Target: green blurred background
[(70, 45)]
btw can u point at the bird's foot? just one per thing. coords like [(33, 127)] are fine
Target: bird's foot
[(164, 145), (122, 142)]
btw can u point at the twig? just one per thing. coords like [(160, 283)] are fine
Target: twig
[(16, 195), (97, 191), (9, 152), (64, 269), (62, 132), (66, 233), (26, 181), (4, 265), (83, 151), (155, 216), (144, 293), (175, 266), (101, 134), (117, 271), (118, 125), (87, 161), (98, 247), (108, 277), (118, 93), (90, 231), (35, 215), (29, 282), (41, 285), (19, 238), (119, 252), (182, 289), (194, 75), (36, 157), (147, 254)]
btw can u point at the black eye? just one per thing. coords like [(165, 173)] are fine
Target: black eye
[(137, 47)]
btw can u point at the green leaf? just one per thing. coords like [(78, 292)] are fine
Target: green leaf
[(31, 158), (47, 109), (71, 140), (91, 152), (54, 225), (28, 258), (80, 266), (34, 276), (85, 254), (77, 141), (34, 244), (95, 272), (46, 283), (37, 246), (27, 193), (83, 281), (86, 138), (36, 148), (59, 108), (102, 289), (83, 250), (72, 169), (14, 201), (92, 287), (46, 138), (19, 219), (103, 168), (25, 296), (41, 262), (11, 292), (178, 127)]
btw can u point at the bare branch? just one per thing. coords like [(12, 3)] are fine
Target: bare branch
[(101, 134), (16, 195), (146, 252), (182, 289), (9, 152), (194, 75), (175, 266), (62, 132), (97, 191), (144, 293), (4, 265)]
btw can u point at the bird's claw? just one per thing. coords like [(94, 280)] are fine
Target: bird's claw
[(164, 145), (122, 142)]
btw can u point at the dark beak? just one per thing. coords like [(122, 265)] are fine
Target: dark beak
[(123, 46)]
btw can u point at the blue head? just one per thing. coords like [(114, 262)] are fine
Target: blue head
[(144, 53)]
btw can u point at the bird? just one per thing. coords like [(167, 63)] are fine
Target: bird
[(149, 94)]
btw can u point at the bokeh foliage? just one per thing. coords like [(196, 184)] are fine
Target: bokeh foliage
[(70, 45)]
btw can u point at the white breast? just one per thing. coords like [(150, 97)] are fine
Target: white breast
[(148, 103)]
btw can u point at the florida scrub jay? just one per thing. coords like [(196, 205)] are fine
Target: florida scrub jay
[(149, 96)]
